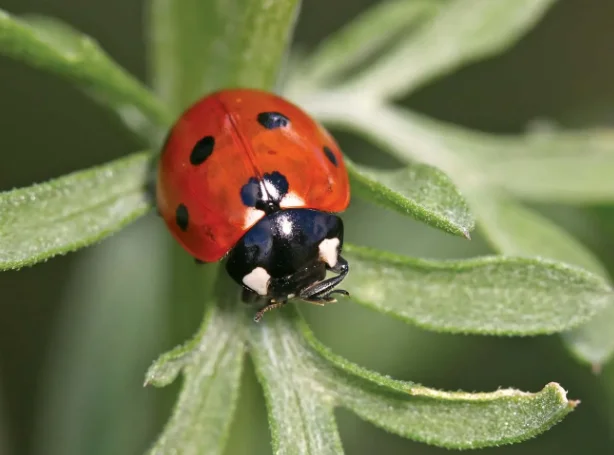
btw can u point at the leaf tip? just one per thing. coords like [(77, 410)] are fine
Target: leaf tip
[(162, 373), (562, 394), (574, 403), (596, 368)]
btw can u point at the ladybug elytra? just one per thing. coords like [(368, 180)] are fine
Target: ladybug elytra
[(248, 176)]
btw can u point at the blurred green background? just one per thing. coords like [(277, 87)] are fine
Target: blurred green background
[(73, 350)]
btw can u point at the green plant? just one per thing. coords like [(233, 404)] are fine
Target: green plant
[(449, 174)]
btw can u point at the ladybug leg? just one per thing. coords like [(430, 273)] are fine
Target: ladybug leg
[(198, 261), (271, 306), (320, 293)]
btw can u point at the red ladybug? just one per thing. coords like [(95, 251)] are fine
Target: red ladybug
[(247, 175)]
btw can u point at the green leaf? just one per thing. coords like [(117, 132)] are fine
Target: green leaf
[(593, 341), (418, 190), (199, 46), (212, 363), (488, 295), (516, 230), (52, 46), (283, 348), (463, 32), (71, 212), (91, 377), (567, 167), (300, 410), (362, 37)]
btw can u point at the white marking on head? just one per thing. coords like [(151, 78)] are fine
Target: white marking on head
[(286, 226), (252, 216), (258, 280), (292, 200), (329, 251)]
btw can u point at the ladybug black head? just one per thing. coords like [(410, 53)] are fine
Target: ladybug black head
[(287, 254)]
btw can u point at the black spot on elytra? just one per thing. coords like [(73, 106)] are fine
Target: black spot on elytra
[(265, 194), (272, 120), (182, 217), (202, 150), (330, 155)]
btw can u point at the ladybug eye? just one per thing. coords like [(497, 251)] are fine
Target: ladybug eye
[(330, 155), (273, 120), (202, 150)]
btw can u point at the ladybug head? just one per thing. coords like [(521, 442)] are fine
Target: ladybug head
[(287, 254)]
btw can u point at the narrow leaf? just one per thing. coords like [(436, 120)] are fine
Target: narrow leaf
[(489, 295), (458, 420), (300, 410), (92, 378), (363, 36), (202, 46), (71, 212), (50, 45), (418, 190), (212, 363), (446, 419), (513, 229), (593, 341), (566, 167), (463, 32), (517, 230)]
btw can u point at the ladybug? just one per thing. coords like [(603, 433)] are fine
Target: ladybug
[(248, 176)]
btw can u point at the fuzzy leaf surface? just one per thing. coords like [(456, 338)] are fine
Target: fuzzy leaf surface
[(322, 381), (200, 46), (53, 46), (71, 212), (488, 295), (419, 190), (464, 31)]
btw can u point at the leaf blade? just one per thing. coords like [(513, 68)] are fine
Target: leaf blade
[(62, 215), (50, 45), (212, 364), (463, 32), (233, 34), (445, 419), (593, 342), (362, 37), (419, 191), (566, 167), (301, 422), (516, 230), (488, 295)]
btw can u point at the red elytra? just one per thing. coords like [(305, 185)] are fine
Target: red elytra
[(248, 175), (242, 148)]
